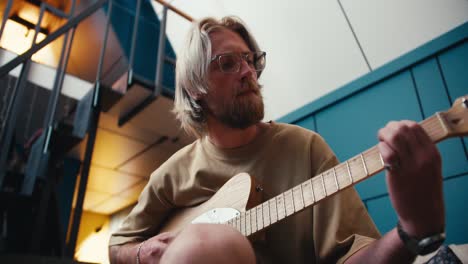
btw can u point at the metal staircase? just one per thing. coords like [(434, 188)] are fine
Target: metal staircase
[(30, 193)]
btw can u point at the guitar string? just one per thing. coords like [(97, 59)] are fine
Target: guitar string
[(431, 126)]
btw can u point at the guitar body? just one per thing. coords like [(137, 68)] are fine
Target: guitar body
[(238, 193)]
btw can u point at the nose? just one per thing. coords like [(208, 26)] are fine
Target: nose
[(246, 70)]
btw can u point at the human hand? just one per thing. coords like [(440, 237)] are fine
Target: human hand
[(414, 177), (152, 249)]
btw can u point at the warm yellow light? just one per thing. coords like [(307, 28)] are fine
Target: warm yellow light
[(29, 14), (18, 38), (94, 248)]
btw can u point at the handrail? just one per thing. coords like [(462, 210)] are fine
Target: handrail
[(74, 21), (6, 12), (175, 10), (63, 29)]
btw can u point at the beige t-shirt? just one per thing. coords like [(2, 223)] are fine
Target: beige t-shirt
[(280, 158)]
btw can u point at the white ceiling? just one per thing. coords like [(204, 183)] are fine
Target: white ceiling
[(310, 45)]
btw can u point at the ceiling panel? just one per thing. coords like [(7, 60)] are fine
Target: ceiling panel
[(93, 198), (158, 118), (109, 181), (111, 150), (109, 122), (112, 205), (148, 161)]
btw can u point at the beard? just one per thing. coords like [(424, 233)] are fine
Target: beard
[(244, 109)]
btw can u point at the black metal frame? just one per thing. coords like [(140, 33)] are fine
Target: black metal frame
[(161, 58), (5, 16), (73, 22), (41, 159), (93, 125), (17, 96)]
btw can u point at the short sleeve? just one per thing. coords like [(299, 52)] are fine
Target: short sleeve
[(146, 218)]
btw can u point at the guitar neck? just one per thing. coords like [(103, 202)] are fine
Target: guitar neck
[(326, 184)]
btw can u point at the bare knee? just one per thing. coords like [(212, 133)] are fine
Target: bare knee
[(207, 243)]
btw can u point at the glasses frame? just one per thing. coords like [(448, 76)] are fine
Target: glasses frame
[(241, 56)]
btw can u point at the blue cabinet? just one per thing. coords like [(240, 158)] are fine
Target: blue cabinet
[(350, 126), (456, 209), (415, 86), (454, 66), (434, 97), (307, 122)]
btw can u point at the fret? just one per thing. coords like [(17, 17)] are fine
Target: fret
[(259, 217), (238, 223), (381, 160), (288, 202), (364, 165), (248, 226), (329, 182), (280, 207), (349, 172), (373, 160), (273, 211), (253, 220), (242, 223), (298, 199), (336, 179), (323, 184), (342, 176), (319, 192), (442, 123), (308, 192), (266, 214)]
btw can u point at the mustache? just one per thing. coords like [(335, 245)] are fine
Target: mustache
[(252, 85)]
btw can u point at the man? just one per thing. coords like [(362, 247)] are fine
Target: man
[(218, 99)]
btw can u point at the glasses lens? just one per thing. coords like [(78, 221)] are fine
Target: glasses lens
[(259, 60), (229, 63)]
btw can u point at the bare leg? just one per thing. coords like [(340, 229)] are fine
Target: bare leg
[(208, 243)]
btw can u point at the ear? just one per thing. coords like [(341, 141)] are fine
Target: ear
[(194, 94)]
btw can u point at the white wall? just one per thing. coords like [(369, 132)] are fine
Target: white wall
[(311, 49)]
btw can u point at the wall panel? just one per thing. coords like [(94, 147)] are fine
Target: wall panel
[(351, 126), (456, 209), (454, 65), (307, 122), (414, 87), (433, 97)]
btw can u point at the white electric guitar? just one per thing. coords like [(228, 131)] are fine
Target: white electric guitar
[(238, 202)]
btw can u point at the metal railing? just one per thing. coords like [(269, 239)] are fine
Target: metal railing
[(67, 30)]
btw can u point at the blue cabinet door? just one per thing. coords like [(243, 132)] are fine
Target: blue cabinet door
[(454, 66), (351, 126), (456, 210), (434, 97)]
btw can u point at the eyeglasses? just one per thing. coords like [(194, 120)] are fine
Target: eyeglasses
[(231, 62)]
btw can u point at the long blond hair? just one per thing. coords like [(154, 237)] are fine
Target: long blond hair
[(192, 67)]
